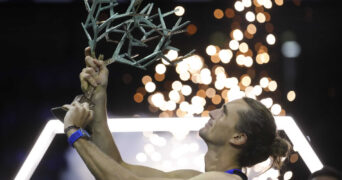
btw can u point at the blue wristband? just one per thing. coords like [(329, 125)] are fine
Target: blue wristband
[(80, 133)]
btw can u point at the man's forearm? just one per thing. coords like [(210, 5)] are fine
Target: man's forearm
[(101, 135), (100, 164)]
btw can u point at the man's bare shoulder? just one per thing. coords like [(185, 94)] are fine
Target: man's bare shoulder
[(215, 175)]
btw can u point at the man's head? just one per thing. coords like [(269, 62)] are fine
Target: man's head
[(249, 127), (326, 173)]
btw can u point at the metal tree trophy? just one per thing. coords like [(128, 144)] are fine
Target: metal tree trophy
[(125, 26)]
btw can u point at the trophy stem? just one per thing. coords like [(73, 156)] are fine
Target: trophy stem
[(60, 112)]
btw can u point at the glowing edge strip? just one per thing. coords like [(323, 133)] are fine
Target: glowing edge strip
[(53, 127)]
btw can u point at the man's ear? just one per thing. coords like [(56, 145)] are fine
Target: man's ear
[(238, 139)]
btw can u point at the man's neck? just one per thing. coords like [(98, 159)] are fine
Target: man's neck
[(220, 158)]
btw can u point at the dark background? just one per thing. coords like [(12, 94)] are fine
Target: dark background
[(42, 44)]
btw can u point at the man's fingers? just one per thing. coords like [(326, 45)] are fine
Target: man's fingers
[(87, 51), (90, 80), (85, 105), (90, 70), (90, 63), (90, 116), (67, 106)]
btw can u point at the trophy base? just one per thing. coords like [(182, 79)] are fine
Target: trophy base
[(60, 112)]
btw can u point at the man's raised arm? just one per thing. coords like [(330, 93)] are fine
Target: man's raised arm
[(96, 74)]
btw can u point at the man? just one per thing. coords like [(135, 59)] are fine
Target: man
[(326, 173), (239, 134)]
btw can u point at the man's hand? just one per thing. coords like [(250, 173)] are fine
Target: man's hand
[(95, 74), (78, 115)]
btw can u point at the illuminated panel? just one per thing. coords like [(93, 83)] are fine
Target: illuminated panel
[(53, 127)]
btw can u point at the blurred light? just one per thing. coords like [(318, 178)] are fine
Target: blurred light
[(218, 14), (267, 102), (158, 99), (160, 68), (261, 18), (211, 50), (234, 44), (159, 77), (197, 100), (291, 96), (257, 90), (288, 175), (239, 6), (216, 99), (171, 105), (171, 55), (150, 87), (219, 84), (250, 16), (141, 157), (149, 148), (219, 70), (279, 2), (186, 90), (268, 4), (156, 156), (201, 93), (138, 97), (272, 86), (177, 85), (251, 29), (191, 29), (225, 55), (179, 133), (215, 58), (249, 92), (276, 109), (237, 34), (146, 79), (174, 96), (246, 81), (240, 60), (184, 106), (206, 76), (264, 82), (179, 10), (229, 13), (195, 63), (270, 38), (235, 93), (262, 58), (291, 49), (231, 82), (243, 47), (184, 76), (247, 3), (248, 61), (210, 92)]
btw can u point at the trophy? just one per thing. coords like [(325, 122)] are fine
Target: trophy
[(123, 26)]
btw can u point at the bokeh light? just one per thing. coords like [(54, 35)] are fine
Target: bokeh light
[(179, 10), (218, 14)]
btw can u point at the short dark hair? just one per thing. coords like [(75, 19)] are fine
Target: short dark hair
[(326, 171), (262, 140)]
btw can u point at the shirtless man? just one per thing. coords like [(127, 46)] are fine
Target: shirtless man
[(239, 134)]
